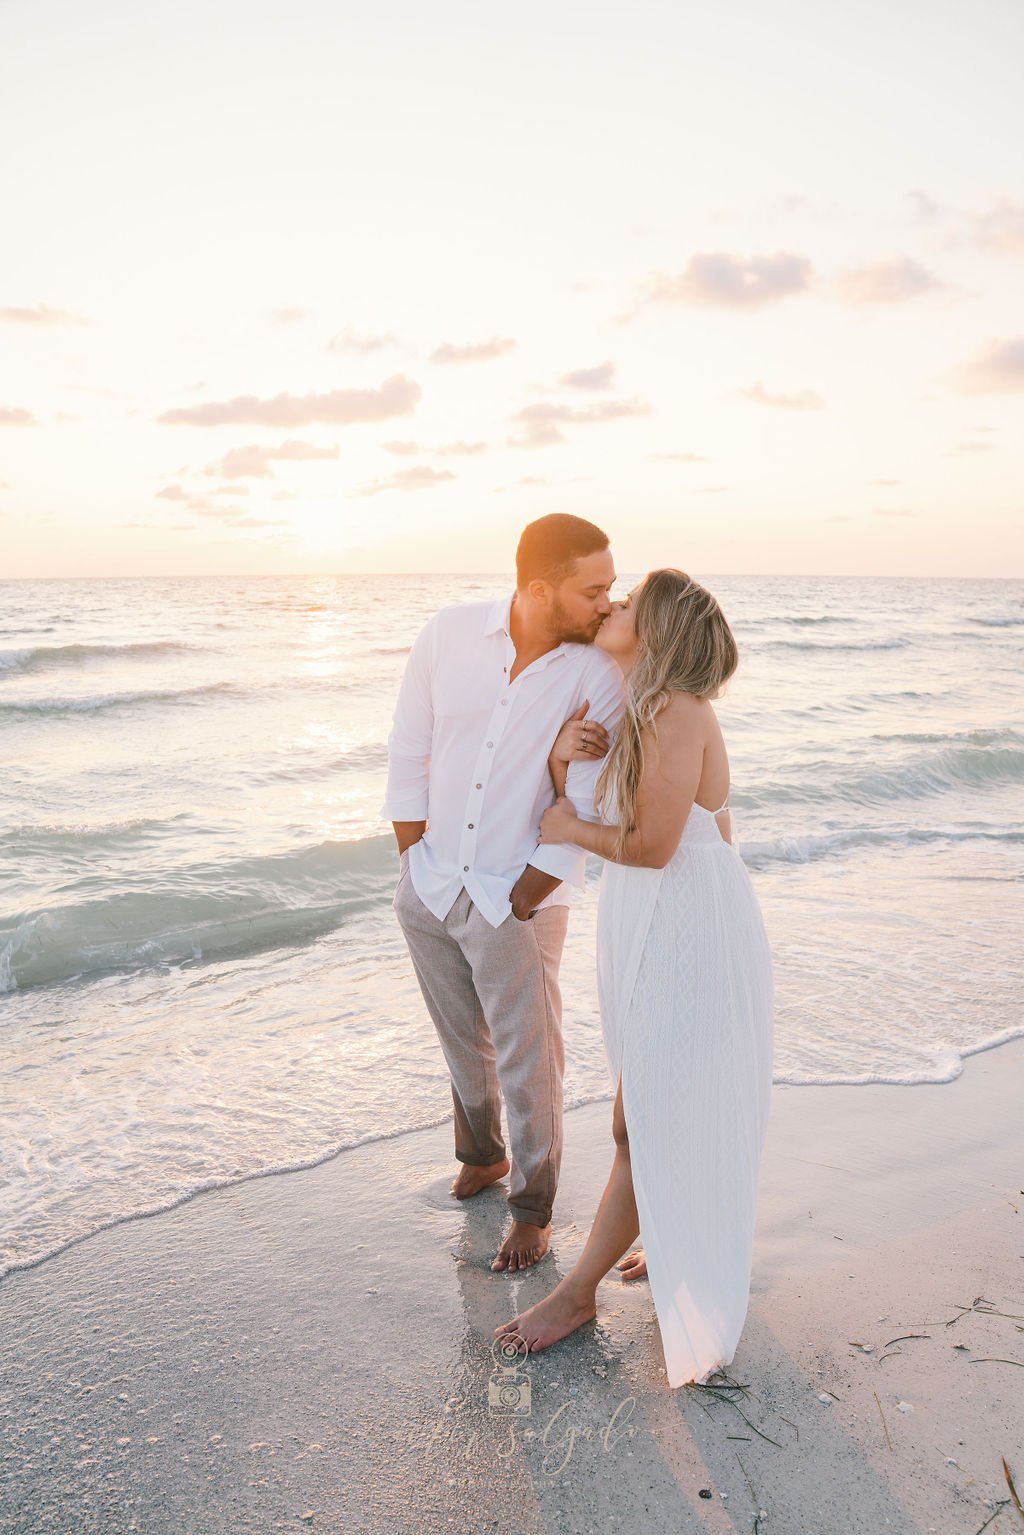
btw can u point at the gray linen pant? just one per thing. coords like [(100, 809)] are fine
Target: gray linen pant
[(493, 996)]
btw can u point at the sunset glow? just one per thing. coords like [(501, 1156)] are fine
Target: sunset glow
[(348, 289)]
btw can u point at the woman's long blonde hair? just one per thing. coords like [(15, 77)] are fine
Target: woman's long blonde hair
[(684, 645)]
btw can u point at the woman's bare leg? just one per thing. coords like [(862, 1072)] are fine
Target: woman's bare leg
[(616, 1227)]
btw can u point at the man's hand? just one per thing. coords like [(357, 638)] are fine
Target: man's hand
[(408, 832), (529, 890)]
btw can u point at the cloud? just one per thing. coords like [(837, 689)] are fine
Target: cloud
[(600, 377), (397, 396), (41, 314), (799, 203), (473, 351), (238, 462), (683, 458), (421, 477), (716, 279), (893, 511), (204, 508), (172, 493), (11, 415), (260, 522), (885, 282), (805, 399), (713, 490), (350, 340), (253, 461), (291, 314), (539, 423), (408, 449), (998, 228), (998, 368), (461, 448), (923, 207), (1001, 228), (885, 482)]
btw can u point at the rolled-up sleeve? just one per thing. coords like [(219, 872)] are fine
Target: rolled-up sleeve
[(561, 861), (406, 797)]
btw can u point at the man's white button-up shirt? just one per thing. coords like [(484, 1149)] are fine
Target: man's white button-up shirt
[(468, 754)]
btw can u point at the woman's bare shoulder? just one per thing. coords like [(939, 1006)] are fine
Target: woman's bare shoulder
[(685, 714)]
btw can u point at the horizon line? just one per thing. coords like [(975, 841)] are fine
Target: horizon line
[(353, 575)]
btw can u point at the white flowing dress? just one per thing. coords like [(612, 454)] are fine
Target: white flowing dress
[(687, 1011)]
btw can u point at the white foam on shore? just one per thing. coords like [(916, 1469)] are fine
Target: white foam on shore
[(947, 1072)]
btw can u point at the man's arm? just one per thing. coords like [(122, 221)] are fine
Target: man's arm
[(532, 886), (608, 702), (673, 761), (407, 832), (406, 799), (552, 863)]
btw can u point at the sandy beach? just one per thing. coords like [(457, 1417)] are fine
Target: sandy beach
[(314, 1349)]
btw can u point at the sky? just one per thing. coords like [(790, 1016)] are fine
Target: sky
[(338, 287)]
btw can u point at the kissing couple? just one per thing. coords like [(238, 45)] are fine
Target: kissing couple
[(529, 732)]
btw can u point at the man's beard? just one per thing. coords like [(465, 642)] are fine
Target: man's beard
[(565, 627)]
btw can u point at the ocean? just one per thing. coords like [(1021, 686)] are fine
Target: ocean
[(201, 978)]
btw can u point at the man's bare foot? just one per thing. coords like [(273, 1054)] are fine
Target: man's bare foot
[(555, 1317), (472, 1179), (524, 1246), (633, 1265)]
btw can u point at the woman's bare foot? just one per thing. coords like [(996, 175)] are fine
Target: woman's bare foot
[(472, 1179), (633, 1265), (524, 1246), (555, 1317)]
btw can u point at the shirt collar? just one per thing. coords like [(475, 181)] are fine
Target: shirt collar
[(497, 616), (497, 620)]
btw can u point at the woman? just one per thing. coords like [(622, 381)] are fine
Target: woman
[(685, 989)]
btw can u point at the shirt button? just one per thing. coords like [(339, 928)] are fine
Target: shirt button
[(470, 826), (465, 868), (479, 785), (490, 743), (504, 703)]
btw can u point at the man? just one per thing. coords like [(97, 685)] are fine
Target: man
[(484, 909)]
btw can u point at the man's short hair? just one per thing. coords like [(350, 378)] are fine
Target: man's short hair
[(550, 547)]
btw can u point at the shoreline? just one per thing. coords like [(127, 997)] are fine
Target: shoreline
[(212, 1185), (312, 1349)]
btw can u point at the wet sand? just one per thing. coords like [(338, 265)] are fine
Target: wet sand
[(313, 1350)]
